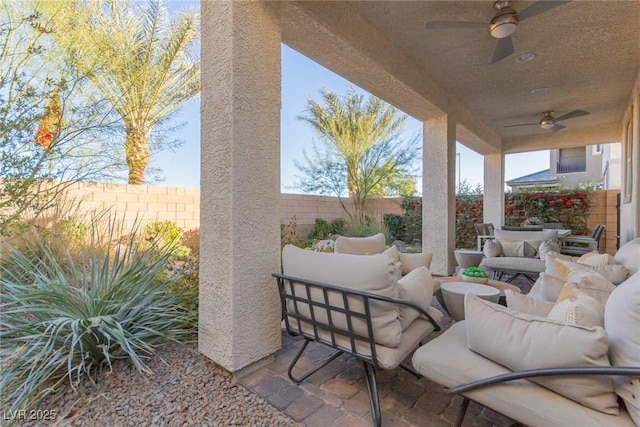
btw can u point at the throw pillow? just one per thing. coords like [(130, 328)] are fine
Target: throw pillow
[(576, 307), (551, 287), (512, 249), (360, 245), (527, 305), (411, 261), (546, 247), (375, 274), (492, 248), (531, 248), (595, 259), (592, 283), (615, 273), (393, 252), (416, 288), (520, 341), (623, 311)]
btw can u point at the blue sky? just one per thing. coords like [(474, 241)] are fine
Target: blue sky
[(303, 78)]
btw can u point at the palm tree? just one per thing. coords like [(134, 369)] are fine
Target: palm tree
[(138, 60), (362, 150)]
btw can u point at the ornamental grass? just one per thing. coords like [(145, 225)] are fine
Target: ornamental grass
[(67, 316)]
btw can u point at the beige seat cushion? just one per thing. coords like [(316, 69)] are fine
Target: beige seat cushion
[(509, 235), (447, 361), (375, 274), (519, 342), (360, 245), (388, 358), (622, 322)]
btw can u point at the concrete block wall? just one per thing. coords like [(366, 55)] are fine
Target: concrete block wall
[(128, 202)]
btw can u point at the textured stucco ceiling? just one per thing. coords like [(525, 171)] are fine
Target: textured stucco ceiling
[(587, 55)]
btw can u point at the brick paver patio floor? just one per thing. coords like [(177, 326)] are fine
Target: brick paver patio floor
[(337, 394)]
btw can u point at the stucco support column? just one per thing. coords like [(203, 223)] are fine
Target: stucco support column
[(240, 183), (438, 192), (494, 189)]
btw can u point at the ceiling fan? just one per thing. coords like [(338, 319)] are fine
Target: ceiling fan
[(503, 24), (549, 122)]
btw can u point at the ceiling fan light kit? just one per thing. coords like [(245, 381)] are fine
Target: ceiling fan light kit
[(505, 22)]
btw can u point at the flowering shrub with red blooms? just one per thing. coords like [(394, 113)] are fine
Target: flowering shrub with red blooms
[(568, 207)]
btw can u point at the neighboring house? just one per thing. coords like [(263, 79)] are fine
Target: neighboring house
[(596, 164)]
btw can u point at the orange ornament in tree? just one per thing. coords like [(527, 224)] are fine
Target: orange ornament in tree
[(49, 127)]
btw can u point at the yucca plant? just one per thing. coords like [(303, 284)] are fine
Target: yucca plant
[(63, 320)]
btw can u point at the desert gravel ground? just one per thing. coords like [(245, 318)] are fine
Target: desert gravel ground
[(187, 389)]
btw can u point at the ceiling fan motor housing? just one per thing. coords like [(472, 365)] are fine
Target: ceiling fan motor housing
[(505, 22), (547, 121)]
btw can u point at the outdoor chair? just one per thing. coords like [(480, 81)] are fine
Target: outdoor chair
[(356, 313), (485, 232), (580, 245)]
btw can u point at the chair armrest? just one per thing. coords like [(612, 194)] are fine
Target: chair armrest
[(532, 373)]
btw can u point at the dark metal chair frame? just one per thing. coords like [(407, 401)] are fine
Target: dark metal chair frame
[(293, 318), (533, 373), (596, 234)]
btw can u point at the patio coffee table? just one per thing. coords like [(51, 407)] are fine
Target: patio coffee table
[(453, 295), (500, 286)]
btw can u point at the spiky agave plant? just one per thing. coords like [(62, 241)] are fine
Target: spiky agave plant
[(62, 320)]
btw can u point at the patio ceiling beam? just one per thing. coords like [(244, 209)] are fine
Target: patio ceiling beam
[(566, 138)]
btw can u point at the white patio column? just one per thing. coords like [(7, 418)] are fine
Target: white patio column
[(438, 192), (494, 189), (240, 183)]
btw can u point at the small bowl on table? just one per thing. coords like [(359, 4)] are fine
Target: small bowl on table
[(479, 280)]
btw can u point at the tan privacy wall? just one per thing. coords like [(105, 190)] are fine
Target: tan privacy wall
[(603, 211), (182, 205)]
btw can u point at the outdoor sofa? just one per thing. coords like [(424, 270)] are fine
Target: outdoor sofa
[(518, 253), (543, 363)]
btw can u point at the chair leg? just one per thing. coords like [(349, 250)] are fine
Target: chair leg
[(308, 374), (372, 387), (411, 371), (461, 412)]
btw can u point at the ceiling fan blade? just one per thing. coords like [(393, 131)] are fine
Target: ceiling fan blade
[(504, 48), (446, 25), (572, 115), (557, 127), (523, 124), (537, 8)]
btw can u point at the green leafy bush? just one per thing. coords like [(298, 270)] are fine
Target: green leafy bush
[(65, 319), (337, 226), (395, 224), (320, 230), (167, 233)]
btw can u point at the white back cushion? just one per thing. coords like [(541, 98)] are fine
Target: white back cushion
[(373, 273), (622, 322), (361, 245)]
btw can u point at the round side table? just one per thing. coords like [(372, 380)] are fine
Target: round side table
[(453, 295), (468, 257)]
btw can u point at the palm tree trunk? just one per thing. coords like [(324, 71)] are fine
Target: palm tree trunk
[(137, 153)]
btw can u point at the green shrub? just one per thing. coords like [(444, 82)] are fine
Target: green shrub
[(184, 287), (395, 225), (320, 230), (337, 226), (167, 233), (65, 319)]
